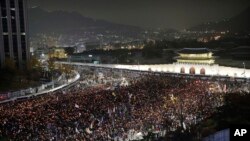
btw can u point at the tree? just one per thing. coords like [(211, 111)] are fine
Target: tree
[(51, 65), (10, 64), (152, 50), (67, 69), (33, 63), (69, 50)]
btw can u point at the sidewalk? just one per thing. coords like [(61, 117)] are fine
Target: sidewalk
[(70, 81)]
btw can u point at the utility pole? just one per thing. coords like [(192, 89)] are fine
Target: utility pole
[(244, 69)]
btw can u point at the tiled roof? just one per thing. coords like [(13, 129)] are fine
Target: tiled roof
[(194, 50)]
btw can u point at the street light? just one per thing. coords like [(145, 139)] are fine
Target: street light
[(244, 69), (138, 64), (90, 56)]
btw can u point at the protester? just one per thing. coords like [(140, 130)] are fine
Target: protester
[(97, 110)]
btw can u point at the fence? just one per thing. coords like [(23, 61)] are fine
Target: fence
[(40, 89), (31, 90), (4, 96)]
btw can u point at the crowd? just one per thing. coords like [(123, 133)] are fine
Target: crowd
[(150, 104)]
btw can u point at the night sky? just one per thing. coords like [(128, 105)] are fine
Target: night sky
[(178, 14)]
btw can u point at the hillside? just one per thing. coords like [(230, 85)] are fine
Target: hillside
[(41, 21), (238, 23)]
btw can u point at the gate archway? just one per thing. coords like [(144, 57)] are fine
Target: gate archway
[(192, 70), (202, 71), (182, 70)]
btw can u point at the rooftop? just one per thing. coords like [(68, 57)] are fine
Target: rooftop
[(193, 58), (194, 50)]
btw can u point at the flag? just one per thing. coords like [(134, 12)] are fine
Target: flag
[(92, 124), (100, 121), (130, 95), (225, 88), (114, 94), (109, 112), (173, 99), (109, 137), (77, 131), (90, 128), (113, 123), (139, 136), (125, 109), (88, 131), (77, 106), (209, 93), (184, 126)]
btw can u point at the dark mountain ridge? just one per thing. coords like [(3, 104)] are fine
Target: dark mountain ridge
[(238, 23), (41, 21)]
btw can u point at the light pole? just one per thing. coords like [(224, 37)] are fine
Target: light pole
[(138, 64), (90, 56), (244, 69)]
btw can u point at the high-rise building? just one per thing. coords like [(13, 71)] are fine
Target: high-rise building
[(13, 32)]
